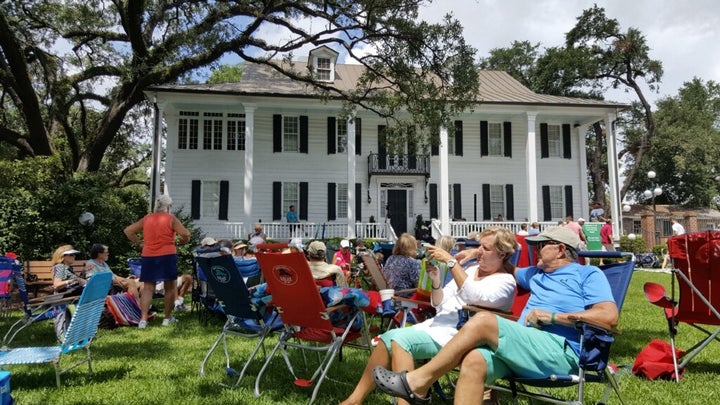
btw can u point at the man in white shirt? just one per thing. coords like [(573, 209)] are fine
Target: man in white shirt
[(677, 227)]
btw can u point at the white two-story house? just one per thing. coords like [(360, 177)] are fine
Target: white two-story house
[(241, 153)]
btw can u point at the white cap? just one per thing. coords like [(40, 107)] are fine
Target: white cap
[(345, 243), (70, 252)]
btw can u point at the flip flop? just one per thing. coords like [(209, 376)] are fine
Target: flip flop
[(396, 384)]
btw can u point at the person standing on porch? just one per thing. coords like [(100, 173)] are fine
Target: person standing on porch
[(292, 219)]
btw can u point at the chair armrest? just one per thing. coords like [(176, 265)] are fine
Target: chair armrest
[(409, 301), (504, 314), (52, 300)]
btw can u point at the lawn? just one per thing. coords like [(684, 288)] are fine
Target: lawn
[(160, 366)]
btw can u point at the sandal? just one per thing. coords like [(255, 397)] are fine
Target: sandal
[(396, 384)]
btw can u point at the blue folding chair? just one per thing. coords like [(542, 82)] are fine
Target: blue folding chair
[(244, 317), (595, 345), (79, 335)]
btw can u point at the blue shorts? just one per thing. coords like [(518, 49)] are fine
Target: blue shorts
[(416, 342), (158, 268), (524, 351)]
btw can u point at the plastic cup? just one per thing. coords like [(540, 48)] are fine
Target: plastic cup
[(386, 294)]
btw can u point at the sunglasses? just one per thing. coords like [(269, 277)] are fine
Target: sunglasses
[(550, 242)]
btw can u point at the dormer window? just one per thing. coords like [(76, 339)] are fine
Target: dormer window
[(323, 69), (321, 62)]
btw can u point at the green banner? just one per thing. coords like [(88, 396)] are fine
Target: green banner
[(592, 232)]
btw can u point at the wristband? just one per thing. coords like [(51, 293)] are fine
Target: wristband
[(552, 318)]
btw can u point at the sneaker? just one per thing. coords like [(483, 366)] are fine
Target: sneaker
[(169, 321), (180, 308), (142, 324)]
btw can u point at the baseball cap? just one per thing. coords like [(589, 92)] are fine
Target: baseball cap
[(345, 243), (581, 219), (296, 243), (316, 249), (208, 241), (557, 234), (70, 252)]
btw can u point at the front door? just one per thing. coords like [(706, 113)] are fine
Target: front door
[(397, 210)]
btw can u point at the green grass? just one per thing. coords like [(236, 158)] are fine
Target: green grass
[(160, 365)]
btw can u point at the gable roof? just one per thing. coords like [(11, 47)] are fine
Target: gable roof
[(496, 87)]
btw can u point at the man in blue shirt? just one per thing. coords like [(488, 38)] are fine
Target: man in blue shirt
[(491, 347)]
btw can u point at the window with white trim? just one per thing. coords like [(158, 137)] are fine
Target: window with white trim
[(341, 196), (495, 139), (188, 129), (555, 147), (291, 196), (212, 130), (291, 133), (323, 68), (497, 200), (342, 135), (210, 199), (557, 202), (236, 131)]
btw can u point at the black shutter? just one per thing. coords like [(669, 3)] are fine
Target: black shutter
[(358, 136), (331, 149), (303, 134), (567, 150), (484, 149), (382, 147), (277, 133), (433, 201), (435, 144), (358, 202), (544, 148), (277, 200), (507, 138), (458, 138), (224, 196), (412, 154), (547, 212), (304, 200), (509, 203), (568, 200), (331, 201), (486, 201), (457, 201), (195, 199)]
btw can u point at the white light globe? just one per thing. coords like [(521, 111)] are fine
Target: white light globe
[(86, 218), (632, 236), (626, 208)]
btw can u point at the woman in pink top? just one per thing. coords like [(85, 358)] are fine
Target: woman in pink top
[(159, 255), (343, 258)]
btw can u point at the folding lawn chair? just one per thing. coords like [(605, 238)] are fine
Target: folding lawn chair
[(595, 345), (204, 301), (35, 309), (10, 271), (696, 273), (307, 320), (79, 335), (245, 318)]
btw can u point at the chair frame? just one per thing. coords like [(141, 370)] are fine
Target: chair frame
[(243, 317), (687, 306), (621, 273), (80, 333), (306, 319)]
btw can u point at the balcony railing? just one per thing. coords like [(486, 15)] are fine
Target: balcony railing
[(282, 231), (398, 164)]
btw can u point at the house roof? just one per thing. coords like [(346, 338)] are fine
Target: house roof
[(496, 87)]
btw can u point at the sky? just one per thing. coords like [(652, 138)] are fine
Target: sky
[(683, 35)]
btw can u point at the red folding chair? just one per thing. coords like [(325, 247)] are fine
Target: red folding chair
[(307, 320), (696, 273)]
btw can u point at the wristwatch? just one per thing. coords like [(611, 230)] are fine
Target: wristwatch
[(451, 263)]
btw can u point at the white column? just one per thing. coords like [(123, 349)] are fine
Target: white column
[(444, 183), (613, 178), (531, 168), (351, 177), (249, 165), (582, 169)]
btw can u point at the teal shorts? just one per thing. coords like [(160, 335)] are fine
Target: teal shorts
[(416, 342), (528, 352)]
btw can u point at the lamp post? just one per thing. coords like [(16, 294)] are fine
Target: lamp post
[(656, 191)]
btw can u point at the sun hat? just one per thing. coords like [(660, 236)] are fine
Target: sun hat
[(556, 234), (208, 241)]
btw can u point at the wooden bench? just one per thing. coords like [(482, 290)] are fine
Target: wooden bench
[(39, 274)]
